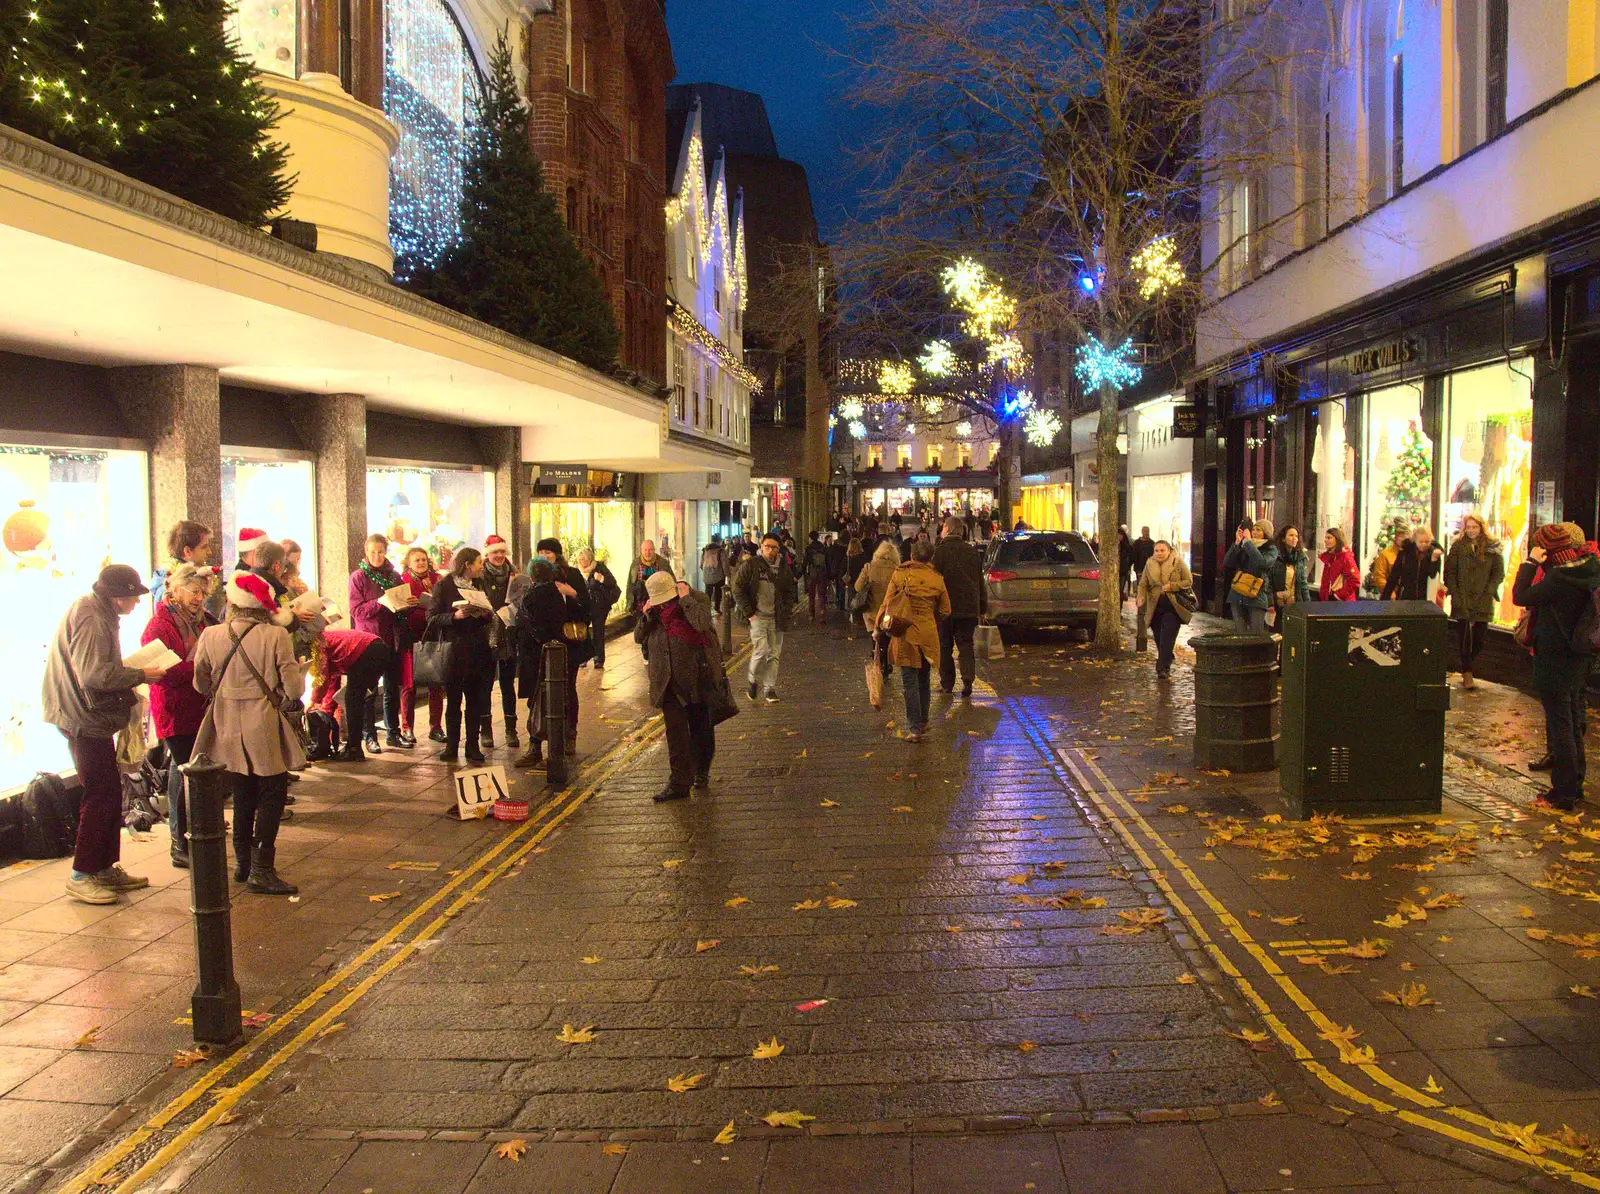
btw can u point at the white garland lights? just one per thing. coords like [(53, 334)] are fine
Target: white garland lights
[(1041, 427), (1099, 365)]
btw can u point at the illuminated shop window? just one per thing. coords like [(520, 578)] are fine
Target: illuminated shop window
[(438, 509), (267, 33)]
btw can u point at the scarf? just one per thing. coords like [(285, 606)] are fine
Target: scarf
[(677, 625), (497, 577), (383, 577), (421, 586), (188, 628)]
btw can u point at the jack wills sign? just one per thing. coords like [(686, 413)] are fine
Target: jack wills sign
[(1382, 357)]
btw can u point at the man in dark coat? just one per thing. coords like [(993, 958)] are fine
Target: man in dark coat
[(961, 565), (1139, 553), (571, 585)]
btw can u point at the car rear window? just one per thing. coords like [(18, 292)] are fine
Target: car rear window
[(1044, 551)]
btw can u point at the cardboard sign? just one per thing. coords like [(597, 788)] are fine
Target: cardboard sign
[(477, 790)]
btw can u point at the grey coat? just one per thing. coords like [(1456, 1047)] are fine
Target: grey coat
[(692, 673), (243, 731), (87, 692)]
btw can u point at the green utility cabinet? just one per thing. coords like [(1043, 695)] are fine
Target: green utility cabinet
[(1364, 699)]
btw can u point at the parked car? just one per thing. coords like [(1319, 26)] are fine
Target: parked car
[(1042, 578)]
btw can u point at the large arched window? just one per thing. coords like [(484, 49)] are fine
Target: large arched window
[(430, 90)]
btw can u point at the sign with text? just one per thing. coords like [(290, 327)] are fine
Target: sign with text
[(924, 480), (1188, 422), (477, 789), (563, 474)]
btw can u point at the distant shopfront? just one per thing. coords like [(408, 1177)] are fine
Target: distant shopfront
[(1047, 500), (1160, 475), (951, 491)]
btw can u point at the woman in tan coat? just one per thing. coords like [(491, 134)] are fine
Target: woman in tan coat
[(915, 601), (1164, 577), (244, 730), (874, 581)]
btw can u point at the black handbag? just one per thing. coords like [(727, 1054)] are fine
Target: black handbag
[(431, 661)]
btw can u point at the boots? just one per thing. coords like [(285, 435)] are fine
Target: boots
[(534, 756), (486, 734), (1466, 679), (263, 878), (241, 864)]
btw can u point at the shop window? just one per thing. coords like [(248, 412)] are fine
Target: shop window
[(935, 456), (902, 456), (1487, 467), (276, 495), (1162, 502), (994, 452), (677, 380), (64, 514), (874, 455), (439, 509), (267, 33), (1397, 482), (1331, 487)]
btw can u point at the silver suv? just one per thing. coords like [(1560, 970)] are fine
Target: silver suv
[(1042, 578)]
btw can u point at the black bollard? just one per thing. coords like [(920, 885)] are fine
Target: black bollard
[(727, 625), (555, 713), (215, 1005)]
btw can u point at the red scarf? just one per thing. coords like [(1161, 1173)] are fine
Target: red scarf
[(677, 625)]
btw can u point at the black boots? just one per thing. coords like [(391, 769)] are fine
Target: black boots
[(263, 879)]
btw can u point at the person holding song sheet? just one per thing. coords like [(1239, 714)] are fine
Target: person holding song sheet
[(378, 598), (461, 616)]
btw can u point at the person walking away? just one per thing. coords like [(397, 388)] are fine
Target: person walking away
[(685, 676), (176, 709), (713, 570), (1559, 600), (362, 659), (1474, 570), (1341, 578), (1415, 563), (603, 593), (913, 606), (1290, 580), (1125, 572), (1140, 552), (874, 579), (961, 568), (541, 613), (575, 592), (815, 566), (472, 662), (420, 576), (247, 664), (1252, 555), (1163, 577), (647, 563), (838, 565), (88, 696), (497, 573), (855, 559), (368, 583), (764, 591)]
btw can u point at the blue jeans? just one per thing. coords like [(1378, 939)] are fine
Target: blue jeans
[(179, 748), (1247, 619), (919, 695)]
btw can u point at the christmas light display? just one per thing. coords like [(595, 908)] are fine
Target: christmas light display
[(895, 377), (1005, 350), (852, 408), (964, 280), (963, 429), (1099, 365), (1041, 427), (711, 228), (911, 428), (938, 359), (431, 88), (686, 325), (858, 429), (1157, 268), (1408, 490)]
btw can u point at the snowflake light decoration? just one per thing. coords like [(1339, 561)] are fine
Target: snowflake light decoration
[(1157, 269), (895, 377), (1099, 365), (938, 359), (852, 409), (932, 404), (1041, 427), (1005, 350), (858, 429), (911, 428), (964, 280), (963, 429)]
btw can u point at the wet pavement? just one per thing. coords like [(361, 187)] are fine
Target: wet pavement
[(1038, 951)]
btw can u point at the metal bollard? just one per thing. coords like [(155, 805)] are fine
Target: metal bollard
[(726, 628), (555, 713), (215, 1005)]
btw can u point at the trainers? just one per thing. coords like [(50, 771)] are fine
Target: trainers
[(752, 690), (89, 890), (772, 696), (118, 879)]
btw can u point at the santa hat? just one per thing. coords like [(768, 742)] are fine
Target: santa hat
[(249, 591), (492, 542), (249, 539)]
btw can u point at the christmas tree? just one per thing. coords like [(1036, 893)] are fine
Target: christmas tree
[(516, 266), (151, 88), (1408, 493)]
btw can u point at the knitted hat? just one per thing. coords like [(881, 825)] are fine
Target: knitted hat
[(549, 545), (661, 587), (1264, 526), (249, 539), (1555, 536), (249, 591)]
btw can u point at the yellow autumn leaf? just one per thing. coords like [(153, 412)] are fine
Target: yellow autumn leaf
[(412, 866), (511, 1150), (700, 947), (614, 1150), (1357, 876), (591, 959), (1526, 912), (1410, 995), (1286, 920), (1536, 934), (1522, 1136), (1393, 921), (736, 901), (786, 1119), (88, 1039), (757, 971), (1270, 1099), (575, 1036), (767, 1049), (835, 902), (1448, 899), (1582, 990), (673, 863), (899, 808), (726, 1136), (1432, 1086), (830, 804), (383, 897), (682, 1083), (1274, 876), (1250, 1036), (807, 905), (184, 1058), (1093, 902), (1176, 810), (1187, 980), (954, 929)]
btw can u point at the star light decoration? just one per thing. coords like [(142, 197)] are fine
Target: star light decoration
[(1157, 267), (858, 429), (852, 409), (938, 359), (990, 312), (963, 429), (1098, 365), (895, 377), (1041, 427)]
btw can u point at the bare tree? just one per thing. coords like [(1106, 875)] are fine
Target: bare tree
[(1073, 147)]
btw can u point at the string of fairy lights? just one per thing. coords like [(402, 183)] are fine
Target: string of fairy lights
[(690, 328), (710, 219)]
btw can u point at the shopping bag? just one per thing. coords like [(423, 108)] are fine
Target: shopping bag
[(874, 682), (132, 745), (987, 640)]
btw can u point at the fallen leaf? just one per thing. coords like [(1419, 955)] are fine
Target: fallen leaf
[(1536, 934), (184, 1058), (511, 1150), (1572, 1139), (1258, 1041), (830, 804), (413, 866), (1270, 1099), (726, 1136), (1270, 818), (1286, 920), (229, 1118), (836, 903), (899, 808), (1448, 899), (766, 1050), (1411, 995), (575, 1036), (87, 1040), (1526, 912), (1327, 969), (383, 897), (1393, 921), (331, 1029), (1177, 810), (673, 863), (786, 1119), (1274, 875), (1344, 1039), (1026, 1047), (736, 901), (614, 1150), (954, 929), (1582, 991), (1522, 1137), (591, 959), (1432, 1086), (807, 905), (700, 947), (1357, 875), (683, 1083), (1187, 980), (757, 971), (810, 1005)]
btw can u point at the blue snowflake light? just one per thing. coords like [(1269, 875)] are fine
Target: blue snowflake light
[(1099, 365)]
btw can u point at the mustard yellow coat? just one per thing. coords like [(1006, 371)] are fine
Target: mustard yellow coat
[(930, 601)]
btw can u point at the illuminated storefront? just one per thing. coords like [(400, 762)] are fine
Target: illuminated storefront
[(1160, 476), (438, 508), (590, 508), (1047, 501), (273, 491)]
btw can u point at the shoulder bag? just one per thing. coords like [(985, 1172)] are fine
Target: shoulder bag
[(1248, 584), (1185, 600), (897, 614), (431, 660), (292, 712)]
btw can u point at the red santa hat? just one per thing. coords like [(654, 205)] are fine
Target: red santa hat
[(249, 591), (492, 542), (249, 539)]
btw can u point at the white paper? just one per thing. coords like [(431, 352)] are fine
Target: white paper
[(476, 597), (154, 653), (505, 614), (396, 598)]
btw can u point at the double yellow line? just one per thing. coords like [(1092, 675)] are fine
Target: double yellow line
[(464, 887), (1124, 817)]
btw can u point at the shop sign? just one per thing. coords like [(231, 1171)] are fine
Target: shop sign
[(1188, 422), (924, 480), (1383, 356), (563, 474)]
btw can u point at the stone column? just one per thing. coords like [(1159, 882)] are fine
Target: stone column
[(501, 448), (177, 409), (334, 426)]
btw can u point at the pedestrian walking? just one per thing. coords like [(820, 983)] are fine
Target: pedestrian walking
[(1416, 562), (247, 665), (765, 592), (541, 614), (1474, 570), (1556, 584), (686, 680), (814, 566), (1341, 578), (1140, 552), (838, 565), (1250, 560), (455, 619), (496, 579), (603, 593), (176, 709), (89, 695), (855, 559), (1125, 571), (420, 576), (647, 563), (575, 627), (1291, 573), (915, 602), (368, 612), (1166, 601), (714, 570), (961, 567), (1378, 575), (873, 579), (361, 660)]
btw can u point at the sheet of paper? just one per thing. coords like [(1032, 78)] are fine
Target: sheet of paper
[(476, 597), (396, 598), (505, 614), (155, 653)]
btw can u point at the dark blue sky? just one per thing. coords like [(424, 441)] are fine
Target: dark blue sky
[(771, 47)]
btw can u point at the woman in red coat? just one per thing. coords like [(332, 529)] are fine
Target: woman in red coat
[(176, 708), (1341, 579)]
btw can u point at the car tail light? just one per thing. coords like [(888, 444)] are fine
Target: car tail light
[(996, 575), (1089, 574)]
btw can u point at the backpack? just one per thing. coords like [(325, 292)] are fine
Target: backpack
[(49, 817)]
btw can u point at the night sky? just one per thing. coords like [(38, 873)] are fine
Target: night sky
[(770, 47)]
